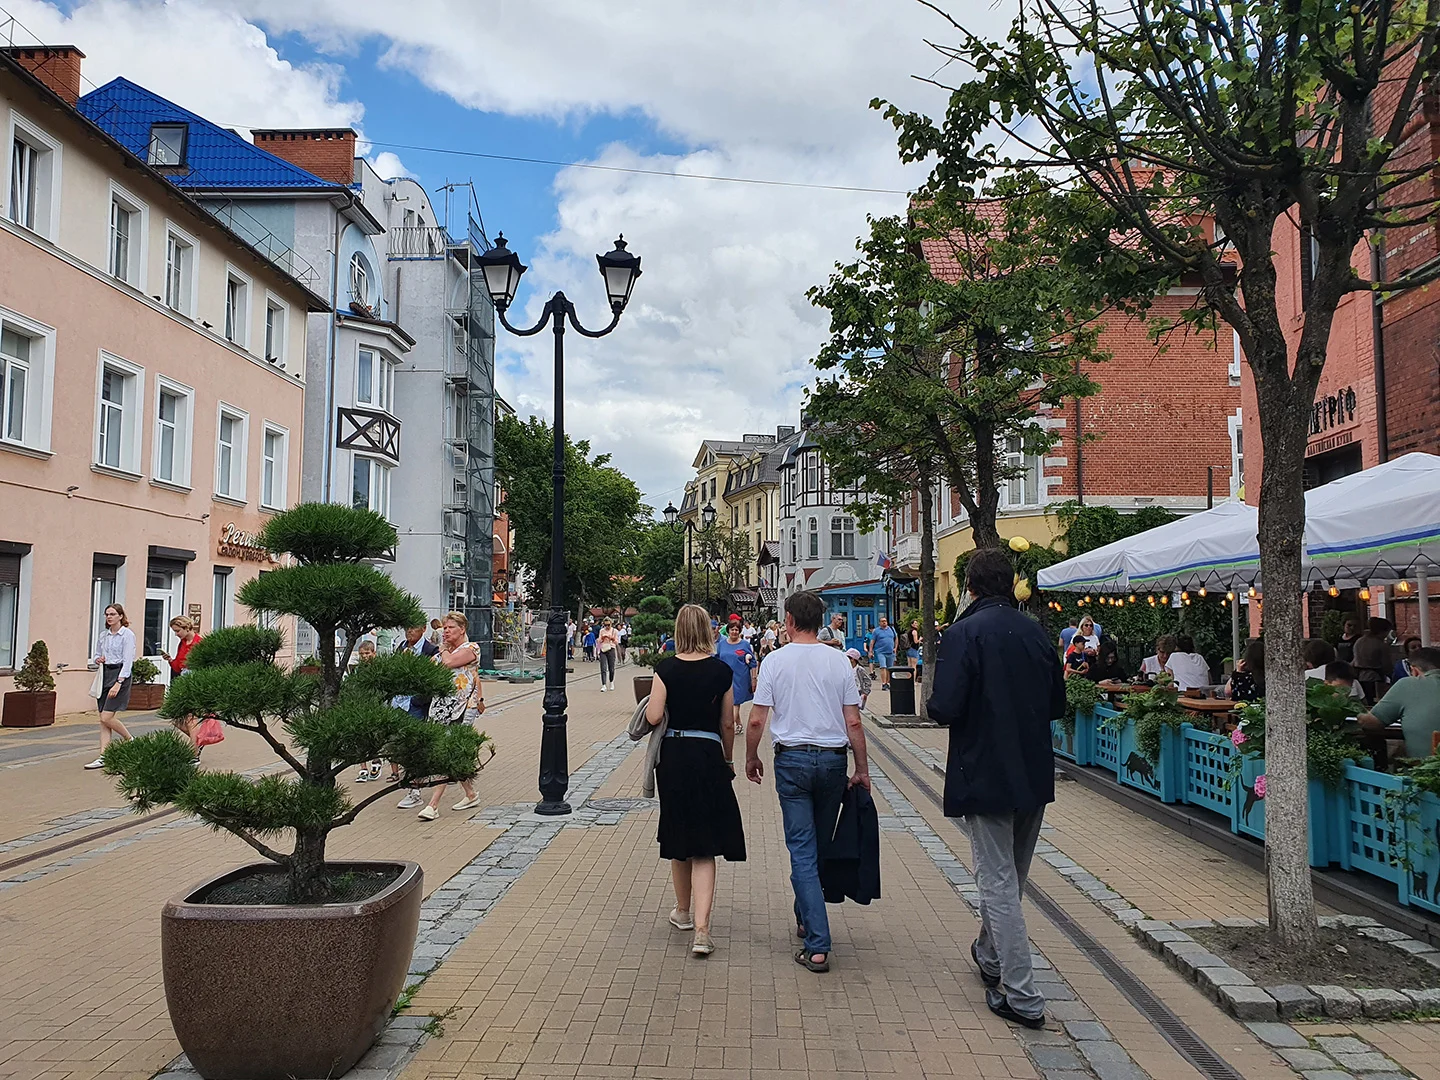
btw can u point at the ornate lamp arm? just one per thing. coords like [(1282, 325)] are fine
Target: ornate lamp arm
[(544, 317), (570, 312)]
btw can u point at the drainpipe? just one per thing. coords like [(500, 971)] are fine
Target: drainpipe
[(1079, 451), (1377, 333), (330, 344)]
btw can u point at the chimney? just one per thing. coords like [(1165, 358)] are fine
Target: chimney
[(57, 66), (783, 432), (329, 153)]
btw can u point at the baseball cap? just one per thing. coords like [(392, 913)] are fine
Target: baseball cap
[(853, 654)]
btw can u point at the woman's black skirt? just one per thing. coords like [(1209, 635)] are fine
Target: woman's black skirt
[(699, 814)]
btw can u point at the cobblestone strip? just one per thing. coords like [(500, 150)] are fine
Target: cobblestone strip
[(1080, 1044), (63, 825), (452, 911), (1322, 1058)]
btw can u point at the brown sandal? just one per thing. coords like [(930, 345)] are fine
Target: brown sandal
[(806, 957)]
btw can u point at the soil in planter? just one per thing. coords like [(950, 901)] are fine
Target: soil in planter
[(347, 886), (1365, 963)]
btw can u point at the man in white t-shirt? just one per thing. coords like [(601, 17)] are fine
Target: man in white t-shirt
[(811, 691), (1189, 667)]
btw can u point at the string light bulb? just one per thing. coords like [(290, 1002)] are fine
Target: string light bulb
[(1402, 586), (1229, 596), (1202, 590), (1152, 601), (1252, 592), (1185, 596), (1334, 591)]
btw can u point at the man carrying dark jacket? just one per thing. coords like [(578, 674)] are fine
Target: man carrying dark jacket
[(998, 684)]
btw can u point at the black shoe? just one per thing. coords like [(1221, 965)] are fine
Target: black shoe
[(1000, 1006), (992, 982)]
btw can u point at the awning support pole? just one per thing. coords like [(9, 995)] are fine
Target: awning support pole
[(1423, 581)]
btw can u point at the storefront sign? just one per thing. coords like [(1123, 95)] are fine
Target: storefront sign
[(1332, 411), (1330, 442), (236, 543), (193, 610)]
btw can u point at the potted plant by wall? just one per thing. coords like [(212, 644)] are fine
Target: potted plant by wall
[(32, 702), (145, 692), (289, 968), (656, 616)]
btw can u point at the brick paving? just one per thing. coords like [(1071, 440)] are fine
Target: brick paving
[(552, 957)]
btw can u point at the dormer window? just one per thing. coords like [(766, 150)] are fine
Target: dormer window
[(167, 144)]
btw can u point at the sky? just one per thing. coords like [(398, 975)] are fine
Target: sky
[(719, 336)]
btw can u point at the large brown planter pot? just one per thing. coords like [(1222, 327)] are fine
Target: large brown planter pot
[(272, 991), (643, 683), (28, 708), (147, 696)]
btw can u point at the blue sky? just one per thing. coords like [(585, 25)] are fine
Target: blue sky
[(718, 338)]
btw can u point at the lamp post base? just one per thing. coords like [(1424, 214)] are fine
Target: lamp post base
[(552, 809)]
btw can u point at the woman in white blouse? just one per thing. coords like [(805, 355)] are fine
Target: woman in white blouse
[(114, 656)]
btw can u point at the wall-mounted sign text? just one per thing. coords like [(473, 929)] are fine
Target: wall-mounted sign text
[(236, 543), (1333, 410)]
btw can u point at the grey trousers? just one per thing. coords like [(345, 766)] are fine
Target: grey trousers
[(1002, 846)]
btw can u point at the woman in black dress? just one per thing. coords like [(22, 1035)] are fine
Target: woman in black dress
[(699, 815)]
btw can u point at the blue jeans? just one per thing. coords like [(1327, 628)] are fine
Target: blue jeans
[(811, 784), (884, 658)]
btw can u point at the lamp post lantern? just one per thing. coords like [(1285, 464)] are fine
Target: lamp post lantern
[(502, 270), (707, 515)]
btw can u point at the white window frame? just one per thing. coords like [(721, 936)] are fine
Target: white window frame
[(360, 263), (842, 528), (131, 427), (1236, 425), (1032, 466), (812, 545), (225, 609), (380, 389), (49, 166), (277, 345), (238, 461), (39, 383), (138, 255), (1237, 363), (184, 433), (237, 327), (279, 466), (377, 484), (189, 281)]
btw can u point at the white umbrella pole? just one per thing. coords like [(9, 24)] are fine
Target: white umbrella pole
[(1235, 632), (1423, 581)]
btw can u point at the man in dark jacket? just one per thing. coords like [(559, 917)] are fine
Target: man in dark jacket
[(998, 684)]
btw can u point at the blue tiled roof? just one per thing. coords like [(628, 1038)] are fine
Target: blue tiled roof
[(216, 157)]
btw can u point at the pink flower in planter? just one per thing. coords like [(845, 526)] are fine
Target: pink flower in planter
[(1260, 786), (1237, 737)]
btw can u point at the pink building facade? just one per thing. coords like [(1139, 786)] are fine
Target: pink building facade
[(147, 431)]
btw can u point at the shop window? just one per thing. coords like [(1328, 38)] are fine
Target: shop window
[(9, 609), (104, 590)]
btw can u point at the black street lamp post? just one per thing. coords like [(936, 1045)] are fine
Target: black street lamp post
[(708, 515), (502, 270)]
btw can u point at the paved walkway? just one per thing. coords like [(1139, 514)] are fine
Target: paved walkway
[(545, 950)]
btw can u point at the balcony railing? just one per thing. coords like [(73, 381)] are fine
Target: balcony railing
[(418, 242), (907, 553)]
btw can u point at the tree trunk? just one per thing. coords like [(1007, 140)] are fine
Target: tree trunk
[(927, 585), (1281, 533), (306, 864)]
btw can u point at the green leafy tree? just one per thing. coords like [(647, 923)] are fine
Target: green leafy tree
[(604, 516), (317, 725), (1251, 115), (660, 557)]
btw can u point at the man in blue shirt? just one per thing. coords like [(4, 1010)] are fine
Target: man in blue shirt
[(881, 648)]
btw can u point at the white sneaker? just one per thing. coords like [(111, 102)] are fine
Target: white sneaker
[(98, 763), (467, 804), (363, 776), (429, 814), (410, 801)]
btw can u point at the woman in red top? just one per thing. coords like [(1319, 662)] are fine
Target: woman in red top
[(185, 631)]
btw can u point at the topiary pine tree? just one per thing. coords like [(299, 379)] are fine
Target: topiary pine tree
[(35, 675), (332, 722)]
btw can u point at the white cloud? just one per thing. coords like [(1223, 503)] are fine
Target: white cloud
[(205, 57), (719, 334), (387, 165)]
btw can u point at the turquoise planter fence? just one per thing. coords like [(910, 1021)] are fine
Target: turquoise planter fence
[(1374, 824)]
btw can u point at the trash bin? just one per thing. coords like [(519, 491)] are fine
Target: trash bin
[(902, 691)]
